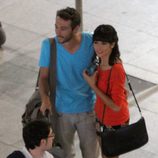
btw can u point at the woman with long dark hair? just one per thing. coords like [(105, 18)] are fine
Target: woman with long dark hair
[(108, 82)]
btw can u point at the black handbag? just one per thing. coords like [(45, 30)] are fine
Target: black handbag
[(115, 142)]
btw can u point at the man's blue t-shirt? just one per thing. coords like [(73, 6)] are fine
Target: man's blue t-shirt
[(73, 94)]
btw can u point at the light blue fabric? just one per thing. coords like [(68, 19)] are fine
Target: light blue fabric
[(73, 95)]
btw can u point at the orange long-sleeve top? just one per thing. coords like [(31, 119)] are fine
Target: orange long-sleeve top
[(116, 92)]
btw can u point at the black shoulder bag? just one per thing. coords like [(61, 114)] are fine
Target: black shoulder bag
[(125, 139)]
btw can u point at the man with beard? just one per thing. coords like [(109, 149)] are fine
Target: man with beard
[(74, 98)]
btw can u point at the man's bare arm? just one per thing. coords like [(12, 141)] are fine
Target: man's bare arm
[(44, 89)]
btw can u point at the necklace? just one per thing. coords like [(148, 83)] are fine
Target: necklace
[(104, 65)]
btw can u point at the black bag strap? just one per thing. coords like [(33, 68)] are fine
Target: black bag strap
[(131, 89)]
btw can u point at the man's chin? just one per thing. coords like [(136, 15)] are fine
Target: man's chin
[(60, 40)]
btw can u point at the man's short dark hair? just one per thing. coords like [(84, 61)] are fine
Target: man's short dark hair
[(34, 131), (70, 14)]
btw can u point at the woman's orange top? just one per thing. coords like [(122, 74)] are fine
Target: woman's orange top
[(116, 92)]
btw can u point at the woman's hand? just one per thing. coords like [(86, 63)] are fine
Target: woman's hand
[(91, 80)]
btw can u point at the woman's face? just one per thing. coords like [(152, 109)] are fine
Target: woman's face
[(103, 49)]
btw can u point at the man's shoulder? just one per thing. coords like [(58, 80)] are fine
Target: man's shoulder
[(45, 41), (87, 34), (87, 38)]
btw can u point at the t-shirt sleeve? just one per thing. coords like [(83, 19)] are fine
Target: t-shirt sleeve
[(118, 85), (44, 59)]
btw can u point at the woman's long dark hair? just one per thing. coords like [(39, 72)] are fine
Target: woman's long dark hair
[(107, 33)]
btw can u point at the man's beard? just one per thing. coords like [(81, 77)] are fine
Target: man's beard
[(64, 39)]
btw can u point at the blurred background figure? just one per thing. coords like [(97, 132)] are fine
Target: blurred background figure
[(2, 35)]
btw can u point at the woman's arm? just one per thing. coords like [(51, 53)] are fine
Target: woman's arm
[(91, 80)]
